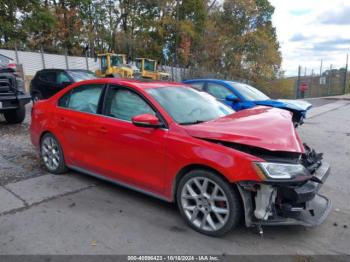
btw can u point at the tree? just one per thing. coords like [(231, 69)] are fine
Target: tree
[(11, 17), (40, 27), (250, 47), (232, 39)]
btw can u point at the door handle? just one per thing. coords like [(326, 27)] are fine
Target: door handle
[(62, 119), (103, 129)]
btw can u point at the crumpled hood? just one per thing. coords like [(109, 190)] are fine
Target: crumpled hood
[(264, 127), (303, 105), (297, 105)]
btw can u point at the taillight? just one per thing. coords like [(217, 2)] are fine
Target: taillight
[(12, 66)]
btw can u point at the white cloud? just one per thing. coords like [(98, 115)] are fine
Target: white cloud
[(311, 30)]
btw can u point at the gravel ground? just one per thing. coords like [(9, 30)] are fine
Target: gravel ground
[(18, 158)]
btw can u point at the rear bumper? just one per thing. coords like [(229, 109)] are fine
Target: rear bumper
[(24, 98), (10, 102), (292, 205)]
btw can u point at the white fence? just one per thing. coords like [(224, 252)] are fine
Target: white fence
[(35, 61)]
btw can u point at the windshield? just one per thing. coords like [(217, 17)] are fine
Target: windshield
[(81, 75), (249, 92), (138, 64), (188, 106), (116, 60), (103, 63), (150, 65)]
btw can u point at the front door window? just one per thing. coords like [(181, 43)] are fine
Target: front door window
[(124, 104)]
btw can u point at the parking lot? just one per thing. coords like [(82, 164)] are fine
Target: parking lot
[(76, 214)]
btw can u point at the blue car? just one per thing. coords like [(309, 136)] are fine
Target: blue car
[(242, 96)]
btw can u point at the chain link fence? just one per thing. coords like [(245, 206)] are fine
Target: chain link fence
[(329, 82), (333, 81), (307, 84)]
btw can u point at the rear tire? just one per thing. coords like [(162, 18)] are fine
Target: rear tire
[(208, 203), (15, 116), (52, 155)]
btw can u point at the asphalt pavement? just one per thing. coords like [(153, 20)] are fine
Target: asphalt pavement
[(320, 101), (75, 214)]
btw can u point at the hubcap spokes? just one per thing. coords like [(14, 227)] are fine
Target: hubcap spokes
[(50, 153), (205, 204)]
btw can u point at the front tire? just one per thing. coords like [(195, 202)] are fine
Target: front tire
[(208, 203), (52, 155), (15, 116), (298, 119)]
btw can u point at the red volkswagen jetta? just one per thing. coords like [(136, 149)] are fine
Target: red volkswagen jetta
[(173, 142)]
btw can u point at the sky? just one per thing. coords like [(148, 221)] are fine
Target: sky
[(311, 30)]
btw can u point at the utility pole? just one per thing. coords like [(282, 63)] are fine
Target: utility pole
[(298, 83), (177, 32), (321, 67), (42, 57), (16, 53), (66, 58), (346, 73), (330, 79)]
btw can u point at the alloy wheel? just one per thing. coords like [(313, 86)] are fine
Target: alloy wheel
[(205, 204), (50, 153)]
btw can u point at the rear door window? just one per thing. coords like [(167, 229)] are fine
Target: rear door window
[(49, 76), (84, 98), (62, 77), (198, 85)]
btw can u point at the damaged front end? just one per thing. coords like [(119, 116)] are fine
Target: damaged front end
[(288, 193)]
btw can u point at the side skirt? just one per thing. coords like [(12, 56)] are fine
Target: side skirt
[(119, 183)]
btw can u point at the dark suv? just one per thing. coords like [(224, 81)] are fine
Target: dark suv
[(12, 96), (48, 82)]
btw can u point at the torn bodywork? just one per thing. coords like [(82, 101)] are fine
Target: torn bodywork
[(293, 201)]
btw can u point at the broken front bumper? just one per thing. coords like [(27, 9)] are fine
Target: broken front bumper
[(293, 205)]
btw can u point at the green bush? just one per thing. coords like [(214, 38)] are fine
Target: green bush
[(279, 88)]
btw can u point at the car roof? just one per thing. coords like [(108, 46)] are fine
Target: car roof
[(213, 80), (51, 69), (66, 70), (133, 83), (78, 70)]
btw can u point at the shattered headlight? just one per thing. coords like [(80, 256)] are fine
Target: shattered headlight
[(280, 171)]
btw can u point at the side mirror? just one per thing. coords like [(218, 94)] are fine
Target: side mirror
[(146, 120), (232, 98)]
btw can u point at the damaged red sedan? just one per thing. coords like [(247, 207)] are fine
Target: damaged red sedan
[(173, 142)]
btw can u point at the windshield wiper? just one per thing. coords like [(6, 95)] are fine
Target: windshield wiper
[(192, 122)]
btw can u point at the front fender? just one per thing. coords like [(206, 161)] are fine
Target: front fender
[(184, 151)]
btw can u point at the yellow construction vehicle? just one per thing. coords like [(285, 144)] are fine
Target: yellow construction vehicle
[(148, 69), (114, 65)]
